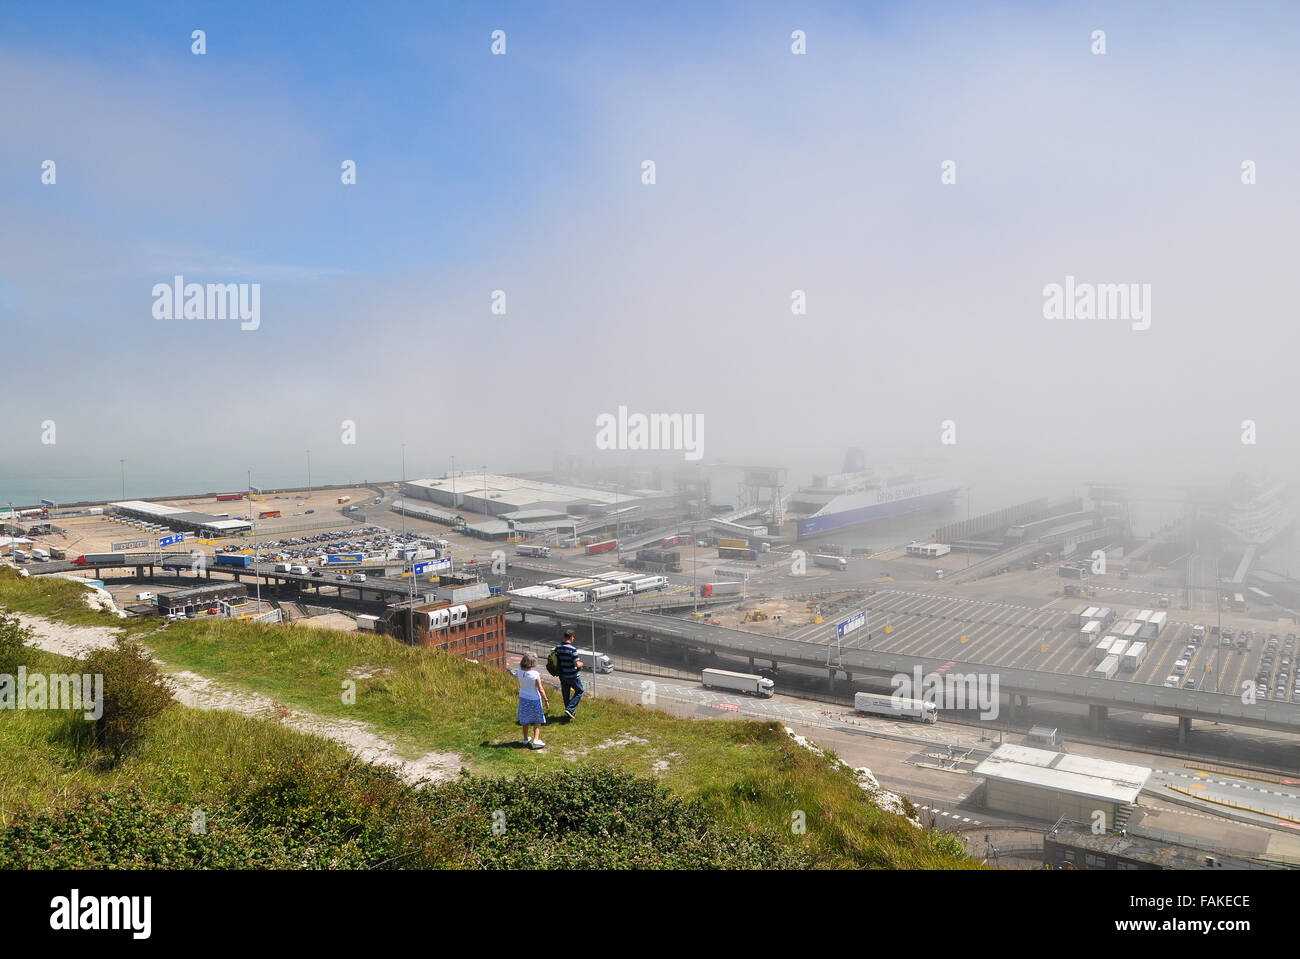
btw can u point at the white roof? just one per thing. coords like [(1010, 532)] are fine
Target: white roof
[(1101, 779), (228, 524), (526, 493), (140, 506)]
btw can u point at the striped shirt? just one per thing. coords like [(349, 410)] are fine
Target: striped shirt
[(567, 654)]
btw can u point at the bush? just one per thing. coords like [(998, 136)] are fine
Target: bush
[(308, 814), (135, 691), (14, 636)]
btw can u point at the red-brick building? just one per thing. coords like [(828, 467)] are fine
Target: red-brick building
[(475, 629)]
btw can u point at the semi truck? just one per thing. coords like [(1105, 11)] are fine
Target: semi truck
[(608, 591), (829, 562), (100, 559), (721, 589), (881, 705), (527, 549), (602, 663), (344, 499), (1135, 656), (647, 583), (747, 683), (234, 559), (1107, 668)]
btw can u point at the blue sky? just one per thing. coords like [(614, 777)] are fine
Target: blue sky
[(521, 172)]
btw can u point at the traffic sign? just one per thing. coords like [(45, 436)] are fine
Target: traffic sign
[(169, 540), (856, 621)]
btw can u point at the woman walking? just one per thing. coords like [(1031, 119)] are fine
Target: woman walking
[(532, 701)]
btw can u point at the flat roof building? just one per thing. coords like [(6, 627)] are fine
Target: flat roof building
[(1044, 784), (181, 520)]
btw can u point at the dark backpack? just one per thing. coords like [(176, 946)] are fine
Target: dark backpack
[(553, 662)]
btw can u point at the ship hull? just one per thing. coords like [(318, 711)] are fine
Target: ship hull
[(845, 519)]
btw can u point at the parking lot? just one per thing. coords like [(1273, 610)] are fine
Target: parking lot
[(1046, 639)]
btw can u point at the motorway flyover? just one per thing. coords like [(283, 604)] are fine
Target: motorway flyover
[(1100, 695)]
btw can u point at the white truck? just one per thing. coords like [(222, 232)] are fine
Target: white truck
[(877, 704), (830, 562), (608, 591), (1107, 668), (647, 583), (1134, 656), (897, 707), (602, 662), (747, 683), (284, 567)]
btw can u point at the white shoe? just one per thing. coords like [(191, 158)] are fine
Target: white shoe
[(538, 744), (528, 742)]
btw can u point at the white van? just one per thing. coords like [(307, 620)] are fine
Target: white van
[(1180, 667), (141, 597), (358, 577)]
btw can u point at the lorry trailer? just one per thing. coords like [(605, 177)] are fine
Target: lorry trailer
[(747, 683), (1107, 668), (234, 559), (1134, 657), (721, 589), (877, 704), (527, 549), (605, 547), (100, 559), (829, 562)]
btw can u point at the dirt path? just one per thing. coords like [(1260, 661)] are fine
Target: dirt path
[(199, 692)]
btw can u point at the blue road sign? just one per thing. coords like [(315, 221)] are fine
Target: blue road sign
[(169, 540), (856, 621)]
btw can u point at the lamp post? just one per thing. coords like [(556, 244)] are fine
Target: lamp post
[(122, 463), (309, 474)]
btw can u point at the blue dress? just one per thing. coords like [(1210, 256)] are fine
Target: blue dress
[(530, 706)]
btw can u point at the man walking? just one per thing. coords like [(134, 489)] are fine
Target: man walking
[(570, 666)]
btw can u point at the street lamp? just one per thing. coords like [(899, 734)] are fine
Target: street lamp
[(122, 463), (595, 659), (309, 474)]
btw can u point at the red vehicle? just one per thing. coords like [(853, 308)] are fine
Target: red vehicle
[(604, 547), (229, 497), (268, 514)]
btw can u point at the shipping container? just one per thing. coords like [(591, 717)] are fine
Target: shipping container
[(1107, 668), (735, 552), (1134, 656), (607, 546)]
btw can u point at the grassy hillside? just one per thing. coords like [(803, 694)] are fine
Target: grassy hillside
[(730, 788)]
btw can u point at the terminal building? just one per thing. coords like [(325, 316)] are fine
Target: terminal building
[(181, 520), (525, 499), (1073, 845), (1048, 785)]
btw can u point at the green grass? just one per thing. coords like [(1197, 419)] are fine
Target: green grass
[(748, 777)]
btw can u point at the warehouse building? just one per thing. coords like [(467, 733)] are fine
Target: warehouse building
[(1048, 785), (496, 495)]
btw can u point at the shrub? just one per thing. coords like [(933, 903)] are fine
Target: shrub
[(14, 636), (135, 691)]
